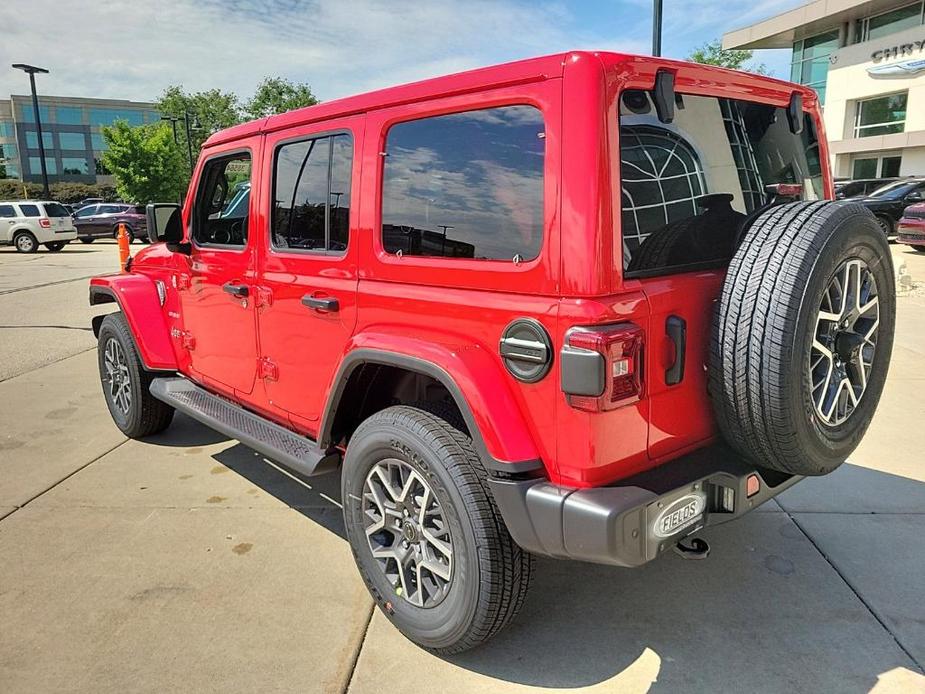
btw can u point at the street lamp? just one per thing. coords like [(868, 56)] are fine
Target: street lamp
[(189, 137), (31, 70), (656, 28)]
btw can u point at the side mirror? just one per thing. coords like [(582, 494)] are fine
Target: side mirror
[(164, 223), (915, 196)]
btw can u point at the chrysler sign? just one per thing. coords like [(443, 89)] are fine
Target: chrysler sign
[(914, 60)]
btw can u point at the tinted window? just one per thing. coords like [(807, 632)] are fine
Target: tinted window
[(88, 211), (53, 209), (30, 211), (109, 209), (466, 185), (311, 194), (72, 140), (222, 201), (690, 187), (7, 211)]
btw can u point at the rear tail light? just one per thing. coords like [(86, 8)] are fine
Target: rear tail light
[(786, 190), (45, 223), (602, 366)]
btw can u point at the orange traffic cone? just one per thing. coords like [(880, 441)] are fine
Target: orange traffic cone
[(123, 247)]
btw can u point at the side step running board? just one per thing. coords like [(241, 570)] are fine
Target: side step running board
[(296, 452)]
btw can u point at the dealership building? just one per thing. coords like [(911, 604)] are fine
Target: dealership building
[(70, 132), (866, 60)]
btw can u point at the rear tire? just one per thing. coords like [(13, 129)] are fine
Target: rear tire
[(25, 242), (125, 382), (886, 226), (87, 239), (481, 576), (798, 361), (55, 246)]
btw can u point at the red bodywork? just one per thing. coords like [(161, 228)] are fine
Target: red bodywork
[(911, 227), (450, 313)]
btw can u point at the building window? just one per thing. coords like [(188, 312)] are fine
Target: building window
[(810, 63), (466, 185), (97, 142), (27, 115), (32, 140), (75, 165), (889, 167), (6, 129), (876, 167), (108, 116), (883, 25), (35, 166), (70, 115), (9, 170), (881, 116), (72, 141), (8, 152), (101, 169)]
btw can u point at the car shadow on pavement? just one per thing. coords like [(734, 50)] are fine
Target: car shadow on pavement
[(185, 432), (766, 612)]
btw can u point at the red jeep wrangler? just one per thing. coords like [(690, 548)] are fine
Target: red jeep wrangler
[(580, 306)]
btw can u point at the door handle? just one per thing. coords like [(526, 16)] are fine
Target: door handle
[(322, 303), (238, 290), (676, 329)]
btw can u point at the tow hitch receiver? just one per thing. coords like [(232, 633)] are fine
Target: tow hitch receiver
[(697, 549)]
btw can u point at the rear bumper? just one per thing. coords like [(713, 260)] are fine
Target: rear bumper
[(621, 524), (911, 231)]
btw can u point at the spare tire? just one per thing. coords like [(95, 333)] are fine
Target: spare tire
[(802, 335)]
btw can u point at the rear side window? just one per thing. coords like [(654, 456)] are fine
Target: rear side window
[(311, 194), (30, 210), (690, 188), (7, 211), (222, 208), (110, 209), (466, 185), (53, 209)]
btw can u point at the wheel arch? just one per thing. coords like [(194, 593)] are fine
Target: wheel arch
[(499, 433), (137, 298)]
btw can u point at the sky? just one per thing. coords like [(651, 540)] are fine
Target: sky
[(126, 49)]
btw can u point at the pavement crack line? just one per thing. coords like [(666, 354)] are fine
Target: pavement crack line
[(18, 507), (42, 366), (857, 594), (356, 655), (46, 284)]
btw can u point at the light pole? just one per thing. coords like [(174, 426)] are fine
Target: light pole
[(656, 27), (31, 70), (173, 124), (189, 136)]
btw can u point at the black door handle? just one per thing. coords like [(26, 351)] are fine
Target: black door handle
[(326, 303), (238, 290), (676, 329)]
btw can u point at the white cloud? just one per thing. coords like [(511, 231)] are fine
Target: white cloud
[(130, 49)]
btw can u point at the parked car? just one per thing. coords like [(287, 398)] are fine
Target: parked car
[(888, 202), (445, 291), (911, 227), (859, 187), (27, 224), (103, 220)]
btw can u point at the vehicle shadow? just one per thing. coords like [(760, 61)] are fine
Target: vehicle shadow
[(767, 612)]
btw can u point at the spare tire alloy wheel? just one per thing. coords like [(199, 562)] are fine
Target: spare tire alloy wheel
[(845, 343), (802, 335), (407, 533)]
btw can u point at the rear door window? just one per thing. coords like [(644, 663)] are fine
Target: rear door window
[(53, 209), (466, 185), (7, 211), (110, 209), (690, 188), (30, 210)]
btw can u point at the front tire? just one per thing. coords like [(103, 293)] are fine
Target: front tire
[(87, 239), (426, 534), (55, 246), (126, 384)]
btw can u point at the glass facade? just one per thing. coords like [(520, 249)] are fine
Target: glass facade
[(108, 116), (32, 139), (883, 25), (75, 165), (97, 143), (881, 116), (28, 115), (70, 115), (810, 62), (6, 129), (72, 141), (35, 166)]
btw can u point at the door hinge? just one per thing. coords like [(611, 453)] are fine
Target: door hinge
[(266, 368), (187, 341), (264, 297)]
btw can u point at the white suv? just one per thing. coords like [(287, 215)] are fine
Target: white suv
[(26, 224)]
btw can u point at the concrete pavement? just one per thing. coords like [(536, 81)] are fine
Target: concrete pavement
[(185, 562)]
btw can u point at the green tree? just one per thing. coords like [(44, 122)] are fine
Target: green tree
[(208, 111), (147, 164), (278, 95), (713, 53)]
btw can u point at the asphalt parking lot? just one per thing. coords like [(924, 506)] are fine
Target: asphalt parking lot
[(185, 562)]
